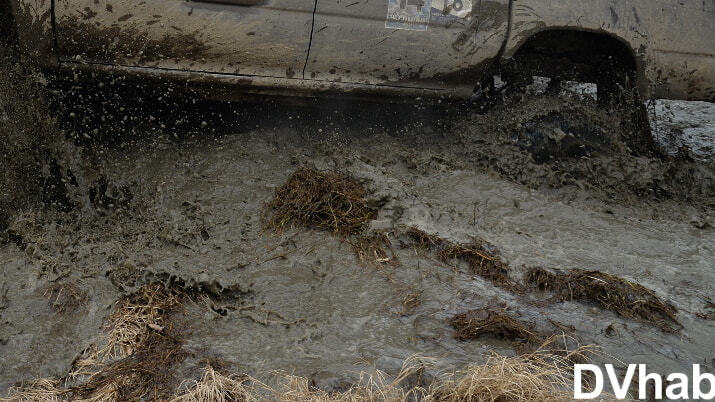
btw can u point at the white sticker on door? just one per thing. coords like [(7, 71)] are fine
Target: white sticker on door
[(408, 14), (452, 8)]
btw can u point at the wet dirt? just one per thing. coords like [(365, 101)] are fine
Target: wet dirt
[(302, 301)]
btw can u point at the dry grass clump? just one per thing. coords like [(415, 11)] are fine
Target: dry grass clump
[(476, 323), (40, 390), (65, 297), (610, 292), (543, 375), (217, 387), (145, 374), (320, 200), (138, 362), (484, 263), (141, 349), (480, 256), (539, 376), (369, 388), (138, 316)]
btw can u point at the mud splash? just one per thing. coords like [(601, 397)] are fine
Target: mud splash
[(560, 143), (83, 40), (41, 166), (28, 142)]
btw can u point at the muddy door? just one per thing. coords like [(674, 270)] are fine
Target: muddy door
[(412, 43), (682, 42), (248, 37)]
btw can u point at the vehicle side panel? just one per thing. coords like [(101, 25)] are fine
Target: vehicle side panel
[(354, 42), (269, 38)]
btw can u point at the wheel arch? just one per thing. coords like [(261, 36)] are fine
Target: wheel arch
[(575, 40)]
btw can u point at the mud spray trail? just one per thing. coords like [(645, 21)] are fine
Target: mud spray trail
[(329, 239)]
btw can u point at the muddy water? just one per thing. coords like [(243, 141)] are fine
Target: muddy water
[(300, 301), (687, 125)]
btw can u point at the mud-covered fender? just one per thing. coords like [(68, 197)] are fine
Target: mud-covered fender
[(35, 31)]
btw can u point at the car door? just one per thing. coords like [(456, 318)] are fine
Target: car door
[(408, 43), (248, 37)]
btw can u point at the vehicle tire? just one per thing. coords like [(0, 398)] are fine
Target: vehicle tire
[(616, 91)]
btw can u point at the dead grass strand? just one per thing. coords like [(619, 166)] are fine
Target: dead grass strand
[(40, 390)]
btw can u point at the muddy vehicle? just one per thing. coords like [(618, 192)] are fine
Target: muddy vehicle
[(433, 48)]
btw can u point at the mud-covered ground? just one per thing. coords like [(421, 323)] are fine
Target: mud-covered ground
[(178, 194)]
